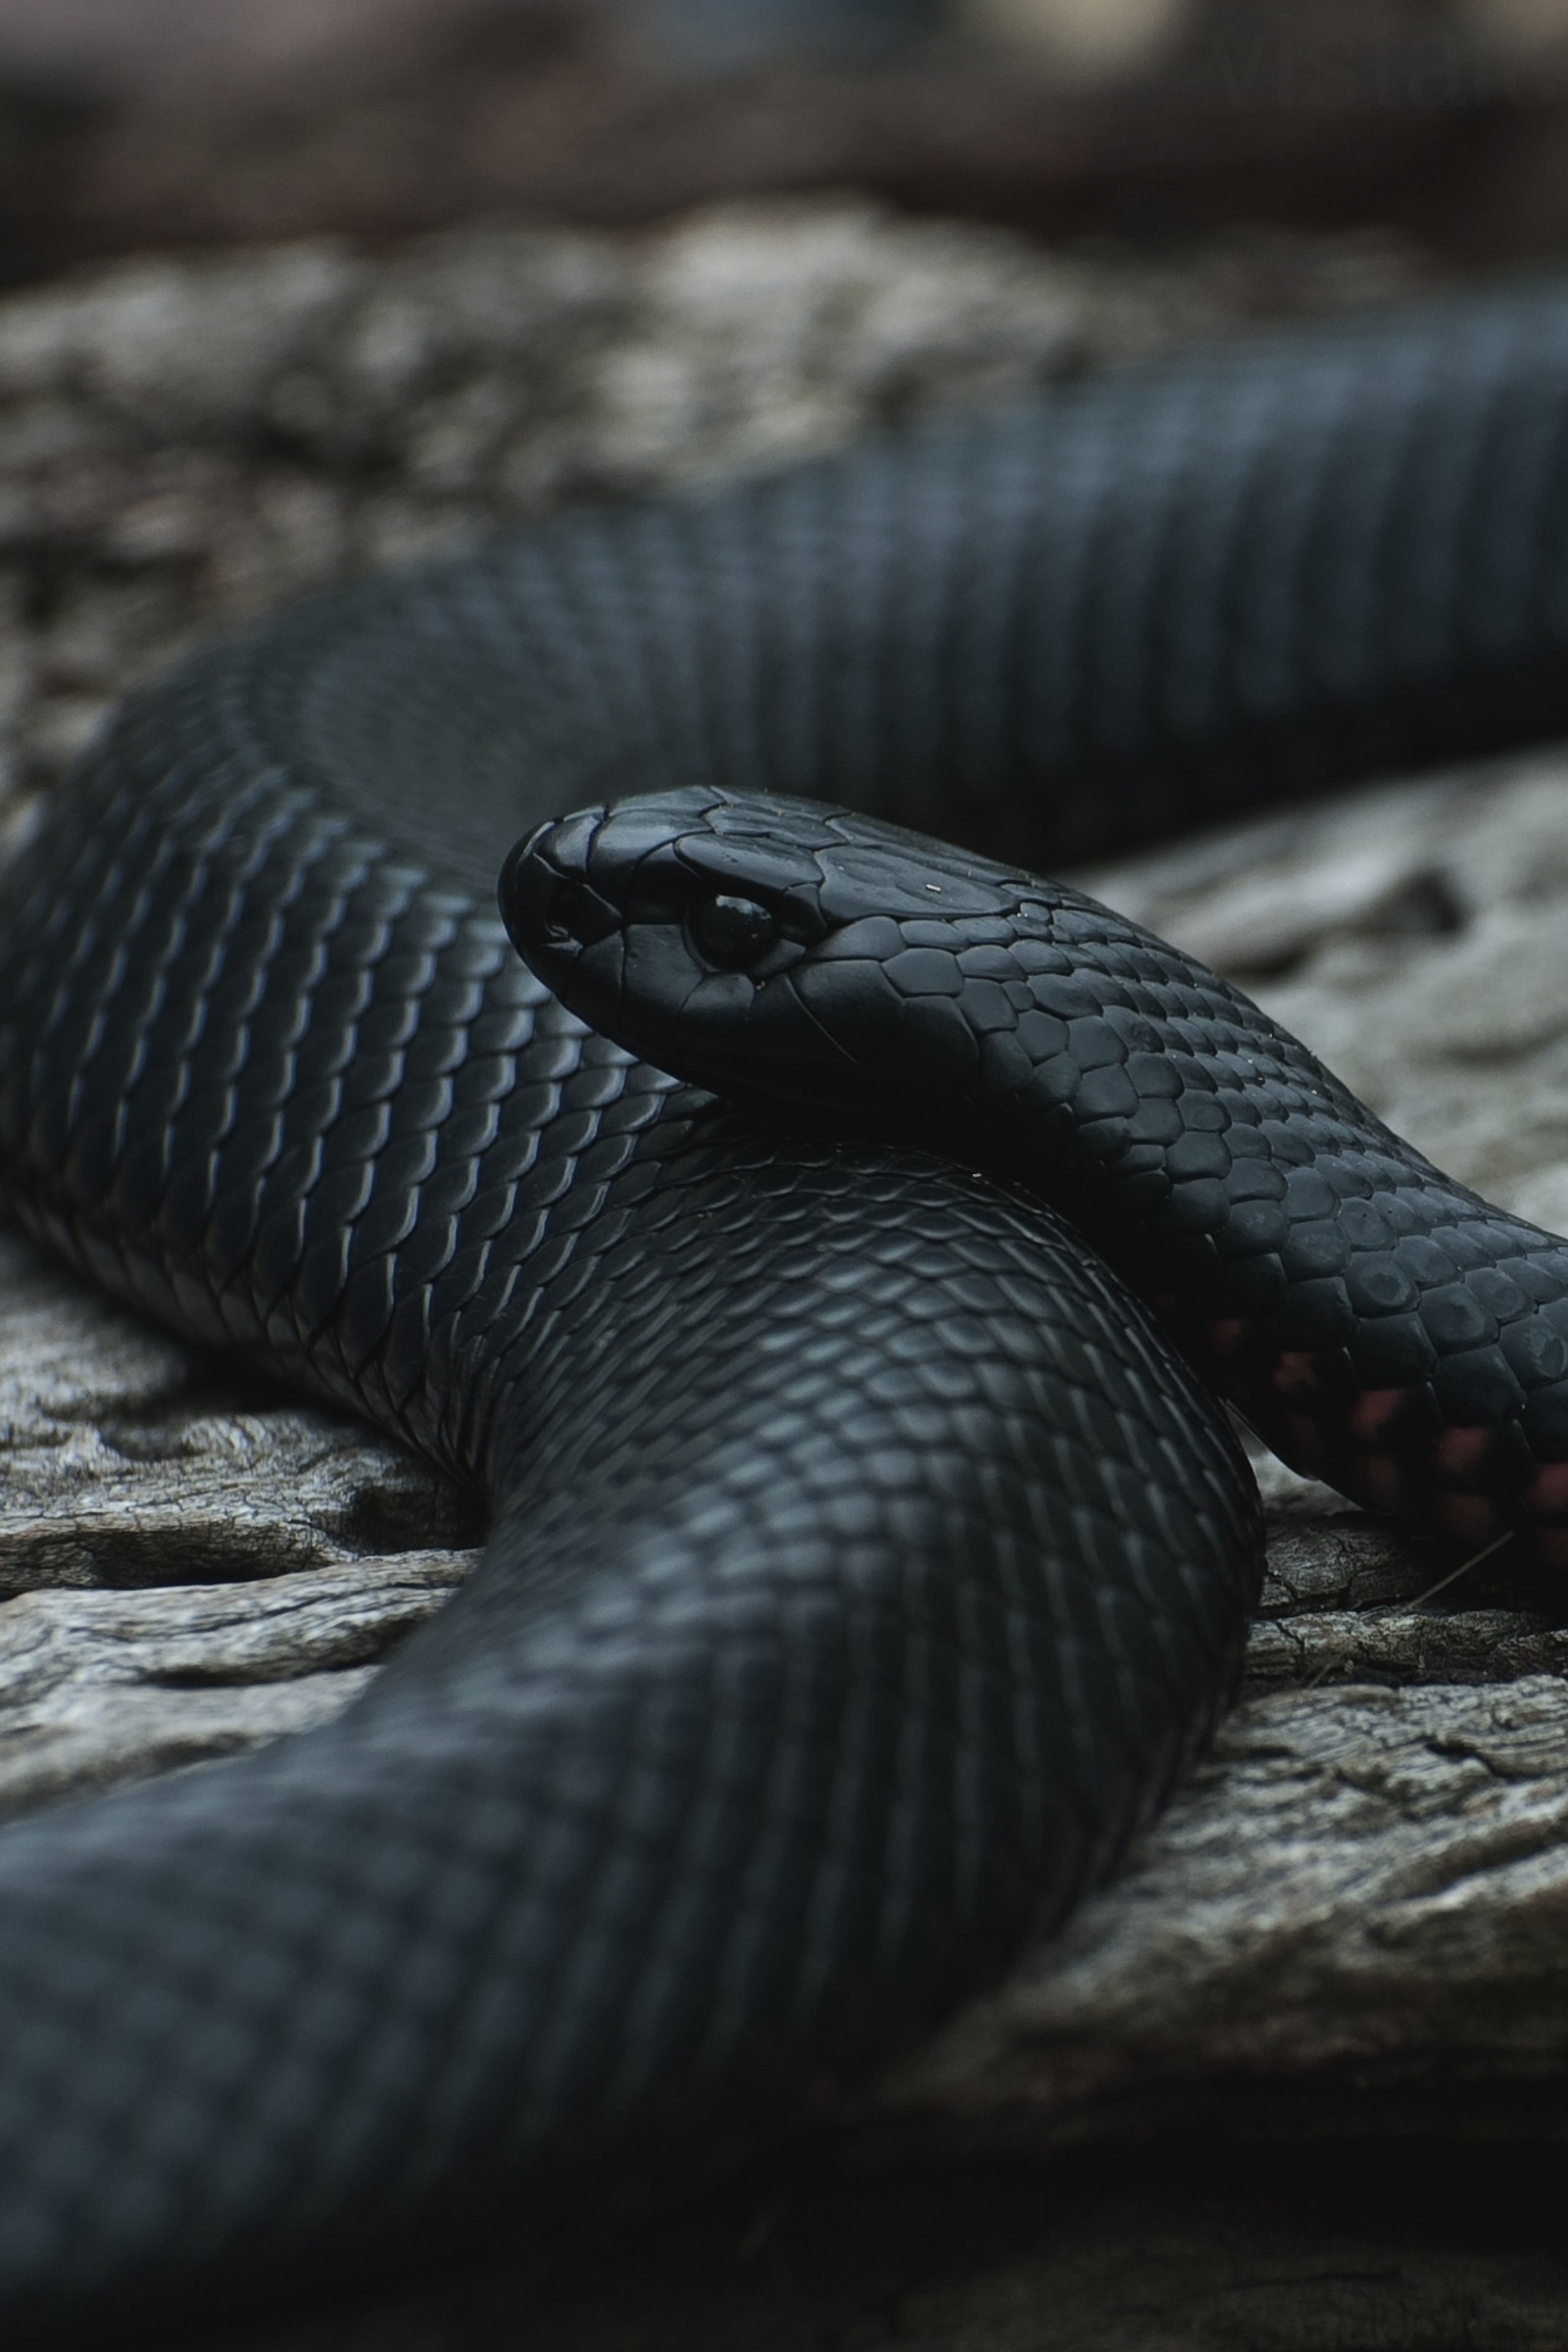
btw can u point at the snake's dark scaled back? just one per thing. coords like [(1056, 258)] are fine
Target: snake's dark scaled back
[(865, 1565)]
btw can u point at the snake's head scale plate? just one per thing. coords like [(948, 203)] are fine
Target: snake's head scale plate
[(743, 941)]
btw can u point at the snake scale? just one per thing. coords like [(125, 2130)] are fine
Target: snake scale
[(865, 1561)]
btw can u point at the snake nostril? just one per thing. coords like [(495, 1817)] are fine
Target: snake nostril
[(570, 915)]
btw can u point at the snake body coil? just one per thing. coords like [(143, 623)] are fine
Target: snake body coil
[(866, 1563)]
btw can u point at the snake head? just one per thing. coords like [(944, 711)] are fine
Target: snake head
[(744, 942)]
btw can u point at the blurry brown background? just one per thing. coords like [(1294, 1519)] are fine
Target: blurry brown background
[(128, 122)]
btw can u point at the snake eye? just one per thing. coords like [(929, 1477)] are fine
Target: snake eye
[(731, 933)]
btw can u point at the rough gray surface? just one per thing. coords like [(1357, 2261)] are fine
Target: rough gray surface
[(1353, 1920), (184, 441)]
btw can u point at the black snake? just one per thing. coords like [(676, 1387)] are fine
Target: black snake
[(866, 1562)]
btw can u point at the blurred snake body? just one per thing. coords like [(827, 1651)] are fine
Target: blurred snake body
[(866, 1560)]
